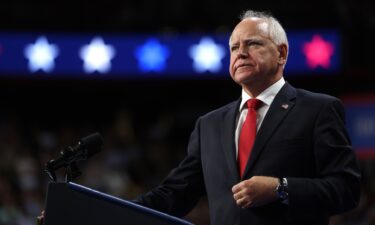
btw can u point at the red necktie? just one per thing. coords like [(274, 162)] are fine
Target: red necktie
[(247, 135)]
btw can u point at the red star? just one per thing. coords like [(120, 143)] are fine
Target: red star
[(318, 52)]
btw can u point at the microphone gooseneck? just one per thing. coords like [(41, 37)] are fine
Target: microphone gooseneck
[(69, 156)]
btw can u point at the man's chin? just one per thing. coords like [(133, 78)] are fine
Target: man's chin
[(243, 79)]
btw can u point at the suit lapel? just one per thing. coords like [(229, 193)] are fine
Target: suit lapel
[(227, 138), (281, 105)]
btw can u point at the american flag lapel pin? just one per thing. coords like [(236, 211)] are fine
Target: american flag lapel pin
[(284, 106)]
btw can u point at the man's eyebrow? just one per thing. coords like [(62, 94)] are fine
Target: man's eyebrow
[(255, 39)]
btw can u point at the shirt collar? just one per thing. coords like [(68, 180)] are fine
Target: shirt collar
[(266, 96)]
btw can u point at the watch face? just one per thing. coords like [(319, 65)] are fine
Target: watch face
[(282, 189), (283, 195)]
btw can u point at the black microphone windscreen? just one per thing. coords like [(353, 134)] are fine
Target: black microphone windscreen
[(92, 143)]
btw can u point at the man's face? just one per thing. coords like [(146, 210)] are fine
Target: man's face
[(254, 58)]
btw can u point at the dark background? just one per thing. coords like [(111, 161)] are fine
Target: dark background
[(146, 123)]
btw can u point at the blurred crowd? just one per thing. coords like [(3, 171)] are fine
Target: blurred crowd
[(135, 157), (137, 154)]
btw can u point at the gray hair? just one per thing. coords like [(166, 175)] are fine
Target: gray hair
[(271, 26)]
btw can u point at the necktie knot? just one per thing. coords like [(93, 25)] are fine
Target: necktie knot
[(254, 103)]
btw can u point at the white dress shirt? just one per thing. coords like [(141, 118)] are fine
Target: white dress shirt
[(267, 97)]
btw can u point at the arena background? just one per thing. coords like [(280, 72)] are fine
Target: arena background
[(146, 122)]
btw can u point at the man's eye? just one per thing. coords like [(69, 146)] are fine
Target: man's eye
[(234, 48)]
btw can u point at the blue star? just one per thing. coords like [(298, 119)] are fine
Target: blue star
[(152, 56), (207, 56), (41, 55)]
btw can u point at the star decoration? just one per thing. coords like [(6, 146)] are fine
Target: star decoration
[(41, 55), (152, 56), (97, 56), (318, 52), (207, 55)]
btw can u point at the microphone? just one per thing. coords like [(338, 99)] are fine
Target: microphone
[(69, 156)]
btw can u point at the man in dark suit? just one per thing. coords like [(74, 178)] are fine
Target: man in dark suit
[(301, 168)]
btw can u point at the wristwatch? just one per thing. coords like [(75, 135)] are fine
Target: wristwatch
[(282, 189)]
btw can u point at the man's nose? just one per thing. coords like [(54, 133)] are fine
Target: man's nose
[(243, 53)]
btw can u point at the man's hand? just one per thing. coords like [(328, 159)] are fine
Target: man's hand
[(256, 191)]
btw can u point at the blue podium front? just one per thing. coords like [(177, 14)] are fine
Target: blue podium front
[(73, 204)]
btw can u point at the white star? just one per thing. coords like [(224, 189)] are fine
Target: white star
[(207, 55), (97, 56), (41, 55)]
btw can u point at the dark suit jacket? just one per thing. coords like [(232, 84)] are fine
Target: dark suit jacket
[(306, 142)]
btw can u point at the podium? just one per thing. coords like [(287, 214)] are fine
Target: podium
[(73, 204)]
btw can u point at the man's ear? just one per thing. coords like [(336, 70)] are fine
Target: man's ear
[(283, 52)]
